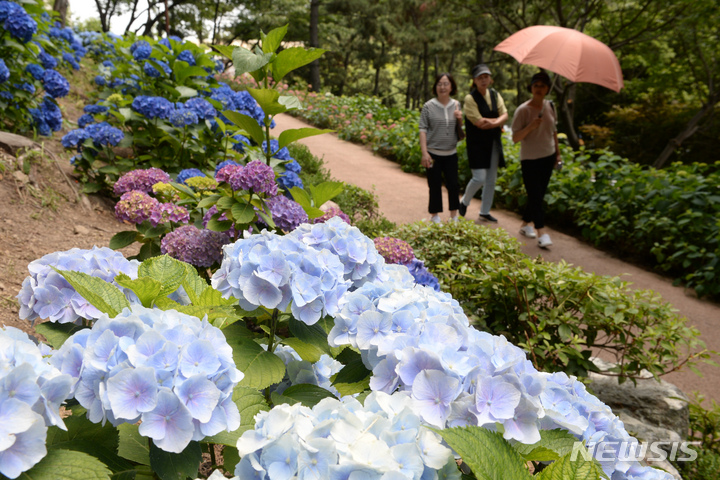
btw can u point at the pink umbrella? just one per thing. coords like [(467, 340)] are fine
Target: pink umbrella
[(567, 52)]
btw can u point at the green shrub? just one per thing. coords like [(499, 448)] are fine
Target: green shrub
[(558, 313), (705, 428)]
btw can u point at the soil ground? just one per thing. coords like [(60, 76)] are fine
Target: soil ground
[(42, 212)]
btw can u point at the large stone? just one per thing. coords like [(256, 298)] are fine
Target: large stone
[(658, 404), (11, 143)]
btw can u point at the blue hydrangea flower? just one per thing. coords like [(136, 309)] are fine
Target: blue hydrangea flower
[(33, 69), (172, 371), (95, 109), (85, 120), (103, 134), (45, 294), (201, 107), (220, 165), (183, 117), (4, 71), (282, 153), (141, 50), (275, 271), (289, 180), (187, 56), (242, 142), (74, 138), (100, 80), (189, 173), (151, 71), (153, 107), (31, 392), (71, 60), (109, 64), (55, 84), (20, 24), (47, 60)]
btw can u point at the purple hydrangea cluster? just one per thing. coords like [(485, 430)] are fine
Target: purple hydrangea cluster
[(31, 392), (334, 211), (17, 21), (231, 233), (151, 71), (201, 107), (153, 107), (135, 207), (419, 341), (45, 294), (202, 248), (141, 50), (189, 173), (140, 180), (394, 250), (5, 72), (55, 84), (357, 253), (256, 177), (422, 275), (286, 214), (226, 172), (342, 439), (187, 56), (168, 212), (183, 117), (273, 271), (170, 371), (223, 164)]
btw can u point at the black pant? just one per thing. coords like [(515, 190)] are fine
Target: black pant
[(536, 176), (443, 166)]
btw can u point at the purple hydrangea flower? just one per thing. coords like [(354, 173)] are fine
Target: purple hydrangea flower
[(286, 213), (140, 180), (55, 84), (189, 244), (220, 165), (256, 177), (135, 207), (164, 212), (394, 250), (225, 173)]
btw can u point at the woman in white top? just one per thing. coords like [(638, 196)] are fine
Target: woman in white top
[(534, 126), (438, 144)]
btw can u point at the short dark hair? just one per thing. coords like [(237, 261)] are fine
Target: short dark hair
[(450, 78)]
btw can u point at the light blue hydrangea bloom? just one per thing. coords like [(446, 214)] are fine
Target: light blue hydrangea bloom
[(360, 258), (45, 294), (339, 438), (172, 371), (272, 271), (31, 391)]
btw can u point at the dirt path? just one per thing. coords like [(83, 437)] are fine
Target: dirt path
[(403, 198)]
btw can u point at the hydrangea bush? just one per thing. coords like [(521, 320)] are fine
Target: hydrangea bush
[(34, 49)]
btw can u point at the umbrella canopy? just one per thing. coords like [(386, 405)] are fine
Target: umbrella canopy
[(567, 52)]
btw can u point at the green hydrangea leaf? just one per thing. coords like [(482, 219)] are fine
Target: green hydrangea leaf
[(261, 368), (102, 295), (325, 191), (56, 333), (271, 41), (567, 468), (291, 135), (250, 402), (67, 465), (552, 445), (175, 466), (123, 239), (309, 353), (132, 445), (247, 123), (245, 61), (166, 270), (147, 289), (292, 58), (307, 394), (487, 453)]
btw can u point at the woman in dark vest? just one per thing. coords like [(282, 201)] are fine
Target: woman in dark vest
[(485, 115)]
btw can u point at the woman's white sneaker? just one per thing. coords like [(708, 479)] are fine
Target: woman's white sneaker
[(436, 219), (528, 231), (544, 241)]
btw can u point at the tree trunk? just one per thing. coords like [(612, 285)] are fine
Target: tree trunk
[(690, 128), (315, 43), (103, 17), (424, 84), (567, 109), (215, 22), (61, 7), (378, 66), (167, 19)]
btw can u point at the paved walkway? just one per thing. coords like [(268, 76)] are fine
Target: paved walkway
[(403, 198)]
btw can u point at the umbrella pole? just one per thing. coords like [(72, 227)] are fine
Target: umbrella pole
[(552, 86)]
